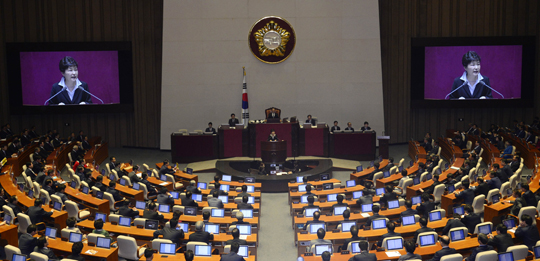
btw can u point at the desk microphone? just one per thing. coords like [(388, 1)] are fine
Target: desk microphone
[(455, 90), (92, 95), (492, 88), (63, 89)]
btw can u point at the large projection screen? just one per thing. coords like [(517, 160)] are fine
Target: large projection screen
[(333, 74)]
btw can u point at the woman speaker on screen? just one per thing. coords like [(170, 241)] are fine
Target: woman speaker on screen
[(70, 90), (472, 84)]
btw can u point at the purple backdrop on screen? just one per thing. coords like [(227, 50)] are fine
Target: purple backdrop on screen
[(99, 69), (501, 64)]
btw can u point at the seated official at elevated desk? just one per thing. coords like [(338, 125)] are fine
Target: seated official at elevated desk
[(233, 120), (273, 136)]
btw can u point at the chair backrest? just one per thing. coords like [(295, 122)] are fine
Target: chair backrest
[(94, 189), (404, 186), (530, 210), (24, 222), (139, 222), (209, 209), (158, 241), (443, 212), (437, 192), (170, 178), (38, 256), (401, 162), (145, 168), (156, 173), (490, 194), (425, 234), (44, 194), (389, 238), (465, 231), (77, 180), (487, 256), (513, 181), (520, 251), (10, 250), (452, 257), (469, 145), (72, 209), (115, 174), (144, 190), (481, 224), (504, 188), (107, 169), (393, 170), (377, 176), (478, 204), (108, 196), (191, 245), (9, 211), (127, 248), (226, 249), (29, 184), (349, 246), (92, 237), (70, 158), (114, 218), (179, 208), (56, 198), (31, 157), (65, 232), (128, 181)]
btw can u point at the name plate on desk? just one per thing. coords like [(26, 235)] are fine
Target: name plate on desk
[(383, 137)]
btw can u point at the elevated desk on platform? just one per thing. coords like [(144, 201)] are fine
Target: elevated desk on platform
[(354, 146), (191, 148), (313, 141), (274, 151), (233, 142), (284, 131), (21, 159)]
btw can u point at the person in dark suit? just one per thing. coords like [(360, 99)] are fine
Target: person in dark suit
[(236, 238), (365, 127), (482, 240), (514, 164), (48, 187), (409, 211), (192, 187), (76, 250), (164, 197), (217, 187), (29, 171), (453, 223), (171, 233), (272, 136), (470, 219), (364, 254), (527, 232), (482, 188), (112, 189), (423, 228), (427, 145), (13, 203), (429, 190), (199, 235), (502, 240), (27, 241), (375, 209), (339, 202), (390, 227), (354, 237), (389, 195), (70, 90), (426, 206), (410, 247), (152, 213), (61, 192), (244, 191), (445, 241), (14, 146), (233, 120), (335, 127), (507, 170), (316, 216), (517, 203), (25, 138), (459, 142), (152, 191), (126, 211), (273, 114), (244, 204), (133, 175), (473, 130), (494, 182), (467, 195), (4, 152), (37, 213), (41, 247), (210, 129), (435, 148), (349, 126), (239, 219), (233, 255), (214, 201), (310, 120), (390, 164), (471, 85), (188, 201), (528, 195), (113, 164)]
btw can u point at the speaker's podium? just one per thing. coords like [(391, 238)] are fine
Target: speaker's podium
[(273, 151)]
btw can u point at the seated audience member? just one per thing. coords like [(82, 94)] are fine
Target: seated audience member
[(99, 183), (166, 168), (423, 228), (192, 187), (335, 127), (388, 195), (37, 213), (494, 182), (244, 204), (112, 190), (364, 254), (217, 187), (346, 215), (410, 247), (375, 209), (149, 254), (200, 235), (76, 250), (27, 241), (527, 232), (133, 175), (164, 197), (239, 219), (206, 217), (453, 222), (482, 188), (13, 203), (42, 248), (152, 191), (214, 201), (308, 191), (349, 127), (98, 228), (70, 223), (339, 203), (409, 211), (126, 211), (244, 192), (188, 201), (390, 227), (528, 195), (470, 219), (210, 129), (445, 241), (188, 255), (467, 195), (518, 202), (482, 240), (311, 201), (502, 240), (233, 255), (426, 206), (365, 127), (354, 237), (48, 187), (507, 153), (321, 233), (236, 238), (152, 213), (316, 216), (170, 233), (61, 192), (376, 169)]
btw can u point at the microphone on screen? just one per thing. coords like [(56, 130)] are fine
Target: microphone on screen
[(63, 89), (92, 95), (454, 90), (492, 89)]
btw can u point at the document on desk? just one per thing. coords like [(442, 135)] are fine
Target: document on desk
[(456, 168), (512, 230), (365, 214), (393, 254), (163, 184), (244, 237), (91, 252)]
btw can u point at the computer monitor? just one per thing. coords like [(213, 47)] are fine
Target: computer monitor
[(7, 219), (75, 237), (400, 169), (359, 168), (99, 194), (136, 186), (245, 229), (320, 249), (459, 210), (411, 163), (495, 198), (372, 163), (250, 189), (189, 170), (313, 227), (451, 188), (485, 229), (183, 226), (218, 212), (248, 213), (111, 176), (163, 178), (508, 256), (302, 188), (249, 180), (509, 192), (324, 176), (328, 186), (357, 194), (50, 232), (379, 191), (331, 197), (367, 207), (299, 179), (164, 208), (140, 205), (190, 211), (201, 250), (103, 242), (73, 184), (175, 194), (339, 210), (536, 251), (434, 216), (309, 211), (393, 204), (17, 257), (212, 228), (416, 200), (427, 240), (346, 225), (149, 173), (430, 176), (196, 197), (101, 216), (30, 193), (355, 247), (151, 224), (350, 183), (85, 190), (167, 249), (122, 182), (243, 251), (226, 177), (379, 223), (224, 199), (303, 199), (251, 200), (21, 187), (57, 206), (394, 244), (224, 187), (457, 235), (509, 223), (416, 181), (386, 174), (408, 220), (201, 185)]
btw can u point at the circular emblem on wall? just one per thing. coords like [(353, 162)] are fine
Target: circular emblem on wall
[(272, 39)]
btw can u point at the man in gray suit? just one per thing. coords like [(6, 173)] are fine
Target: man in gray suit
[(320, 239), (214, 201)]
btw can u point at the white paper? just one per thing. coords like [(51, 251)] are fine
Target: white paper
[(456, 168), (244, 237), (164, 184), (365, 214), (512, 230), (393, 253)]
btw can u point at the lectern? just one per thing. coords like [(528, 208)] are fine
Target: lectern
[(273, 151)]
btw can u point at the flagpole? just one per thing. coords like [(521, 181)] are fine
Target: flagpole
[(245, 104)]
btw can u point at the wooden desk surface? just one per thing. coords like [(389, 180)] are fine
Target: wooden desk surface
[(231, 205), (135, 194), (102, 205), (362, 174), (180, 257), (313, 183), (180, 173), (237, 183), (412, 190), (326, 192), (389, 213), (9, 233), (193, 219), (63, 246)]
